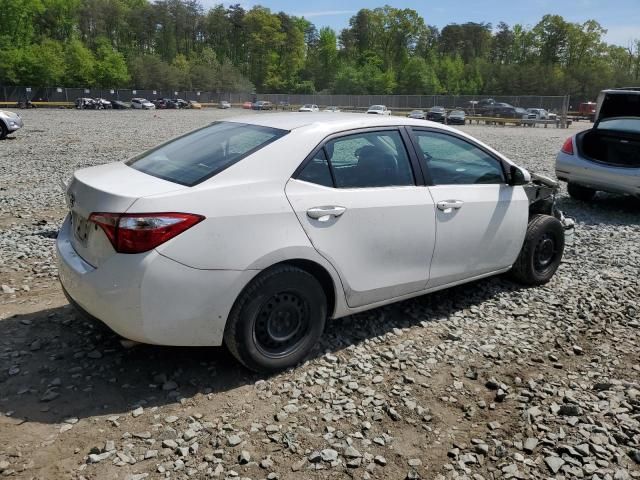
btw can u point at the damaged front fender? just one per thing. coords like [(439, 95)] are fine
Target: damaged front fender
[(542, 192)]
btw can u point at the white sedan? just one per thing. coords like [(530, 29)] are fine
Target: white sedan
[(142, 104), (253, 232), (378, 110), (309, 107)]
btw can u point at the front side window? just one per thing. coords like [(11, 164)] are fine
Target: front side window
[(199, 155), (451, 160), (371, 159)]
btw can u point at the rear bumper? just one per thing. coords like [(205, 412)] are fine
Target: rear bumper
[(150, 298), (575, 169)]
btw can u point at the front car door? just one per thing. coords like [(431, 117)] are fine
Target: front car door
[(358, 201), (480, 219)]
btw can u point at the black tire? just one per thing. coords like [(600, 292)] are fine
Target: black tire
[(277, 319), (581, 193), (4, 131), (541, 252)]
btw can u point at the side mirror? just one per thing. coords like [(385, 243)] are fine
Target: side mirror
[(517, 176)]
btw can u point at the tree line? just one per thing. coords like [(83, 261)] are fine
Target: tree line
[(177, 45)]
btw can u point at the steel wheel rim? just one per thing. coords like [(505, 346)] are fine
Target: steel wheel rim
[(282, 324), (545, 252)]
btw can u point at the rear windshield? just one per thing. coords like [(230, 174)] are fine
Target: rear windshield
[(622, 124), (198, 155)]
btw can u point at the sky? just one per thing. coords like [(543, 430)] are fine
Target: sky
[(620, 17)]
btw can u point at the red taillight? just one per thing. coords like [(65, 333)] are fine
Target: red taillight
[(567, 147), (140, 232)]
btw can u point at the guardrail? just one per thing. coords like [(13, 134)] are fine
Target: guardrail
[(516, 121)]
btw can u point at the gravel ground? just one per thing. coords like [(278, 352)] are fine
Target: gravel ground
[(483, 381)]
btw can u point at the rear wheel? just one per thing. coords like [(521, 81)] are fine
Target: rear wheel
[(541, 252), (277, 319), (581, 193)]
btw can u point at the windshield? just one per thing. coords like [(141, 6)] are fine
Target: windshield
[(376, 107), (198, 155), (457, 113), (307, 106), (620, 124)]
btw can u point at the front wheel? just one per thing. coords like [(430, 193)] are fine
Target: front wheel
[(4, 131), (581, 193), (277, 319), (541, 252)]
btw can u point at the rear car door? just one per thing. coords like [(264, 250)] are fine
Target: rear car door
[(480, 219), (358, 201)]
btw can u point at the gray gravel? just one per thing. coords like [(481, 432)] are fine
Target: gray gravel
[(484, 381)]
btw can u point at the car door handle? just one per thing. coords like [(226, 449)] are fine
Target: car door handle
[(449, 205), (323, 214)]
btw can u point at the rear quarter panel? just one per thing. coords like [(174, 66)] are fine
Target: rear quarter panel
[(249, 221)]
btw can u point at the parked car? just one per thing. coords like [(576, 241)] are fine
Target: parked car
[(284, 105), (499, 109), (118, 105), (605, 157), (9, 123), (456, 117), (587, 110), (142, 104), (308, 107), (163, 103), (85, 103), (262, 105), (417, 114), (350, 230), (524, 114), (506, 110), (332, 108), (224, 105), (540, 113), (180, 103), (247, 105), (478, 107), (437, 114), (379, 110), (102, 103), (195, 105)]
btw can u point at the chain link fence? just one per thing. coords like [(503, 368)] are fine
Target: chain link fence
[(347, 102)]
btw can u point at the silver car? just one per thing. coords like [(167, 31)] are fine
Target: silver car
[(9, 122), (606, 157)]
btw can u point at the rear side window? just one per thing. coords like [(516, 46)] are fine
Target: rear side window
[(361, 160), (317, 171), (196, 156)]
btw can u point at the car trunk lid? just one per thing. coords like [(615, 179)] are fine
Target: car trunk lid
[(111, 188), (617, 103)]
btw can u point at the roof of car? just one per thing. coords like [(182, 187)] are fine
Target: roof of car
[(338, 121), (623, 90)]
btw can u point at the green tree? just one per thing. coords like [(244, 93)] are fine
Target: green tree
[(111, 67), (17, 26), (418, 78), (42, 65), (80, 65)]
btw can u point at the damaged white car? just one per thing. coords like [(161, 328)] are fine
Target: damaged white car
[(253, 232)]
